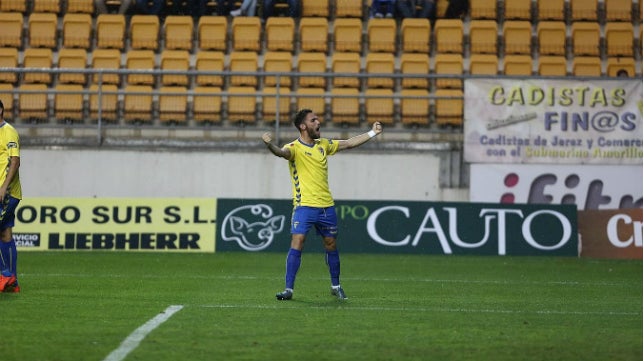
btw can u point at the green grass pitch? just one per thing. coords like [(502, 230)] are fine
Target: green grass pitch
[(82, 306)]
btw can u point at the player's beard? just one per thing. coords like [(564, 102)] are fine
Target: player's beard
[(314, 133)]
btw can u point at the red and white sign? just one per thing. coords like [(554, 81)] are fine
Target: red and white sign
[(611, 233), (590, 187)]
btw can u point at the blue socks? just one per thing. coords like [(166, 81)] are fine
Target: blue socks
[(8, 258), (293, 260), (333, 260)]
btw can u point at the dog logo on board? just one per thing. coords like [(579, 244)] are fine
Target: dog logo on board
[(253, 227)]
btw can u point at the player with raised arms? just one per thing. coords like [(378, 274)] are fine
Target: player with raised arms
[(313, 204)]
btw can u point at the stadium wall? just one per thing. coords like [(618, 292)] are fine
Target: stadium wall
[(253, 174)]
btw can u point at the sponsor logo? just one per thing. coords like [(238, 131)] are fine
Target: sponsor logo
[(253, 227)]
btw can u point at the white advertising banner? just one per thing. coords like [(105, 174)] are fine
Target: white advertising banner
[(540, 121), (590, 187)]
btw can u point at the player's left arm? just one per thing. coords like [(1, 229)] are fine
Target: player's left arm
[(14, 164), (359, 140)]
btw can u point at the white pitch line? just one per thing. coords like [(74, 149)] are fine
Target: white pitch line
[(135, 338), (426, 309)]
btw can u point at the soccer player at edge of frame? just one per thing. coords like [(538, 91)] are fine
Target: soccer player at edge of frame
[(313, 204), (10, 195)]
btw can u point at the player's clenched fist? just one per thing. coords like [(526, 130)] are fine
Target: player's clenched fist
[(267, 138), (377, 127)]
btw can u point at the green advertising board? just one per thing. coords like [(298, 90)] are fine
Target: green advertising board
[(406, 227)]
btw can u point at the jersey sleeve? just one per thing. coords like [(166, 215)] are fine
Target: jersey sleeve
[(332, 146), (13, 144)]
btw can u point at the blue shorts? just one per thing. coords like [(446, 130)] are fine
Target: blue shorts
[(8, 212), (324, 219)]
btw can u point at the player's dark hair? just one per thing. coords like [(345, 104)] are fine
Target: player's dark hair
[(300, 116), (1, 108)]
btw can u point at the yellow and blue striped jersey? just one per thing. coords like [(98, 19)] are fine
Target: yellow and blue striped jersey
[(9, 147), (309, 172)]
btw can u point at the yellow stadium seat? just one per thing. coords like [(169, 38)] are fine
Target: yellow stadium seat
[(441, 7), (484, 64), (8, 59), (449, 107), (278, 62), (243, 61), (68, 102), (77, 31), (517, 37), (280, 33), (46, 6), (318, 8), (11, 34), (618, 10), (614, 65), (140, 60), (414, 106), (381, 35), (42, 30), (173, 104), (551, 10), (483, 9), (110, 31), (144, 32), (586, 66), (345, 106), (209, 61), (585, 38), (449, 35), (242, 102), (103, 103), (517, 9), (311, 98), (483, 36), (552, 65), (269, 104), (314, 34), (517, 65), (176, 60), (311, 63), (37, 58), (619, 39), (6, 95), (72, 59), (379, 106), (380, 64), (412, 64), (551, 37), (246, 33), (583, 10), (32, 101), (348, 8), (448, 64), (106, 59), (137, 103), (347, 35), (212, 32), (178, 31), (206, 104), (347, 63), (415, 35), (80, 6), (13, 5)]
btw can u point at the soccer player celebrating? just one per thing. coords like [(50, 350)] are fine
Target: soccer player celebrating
[(312, 201), (10, 195)]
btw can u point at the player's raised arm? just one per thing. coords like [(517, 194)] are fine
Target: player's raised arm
[(268, 140), (358, 140)]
